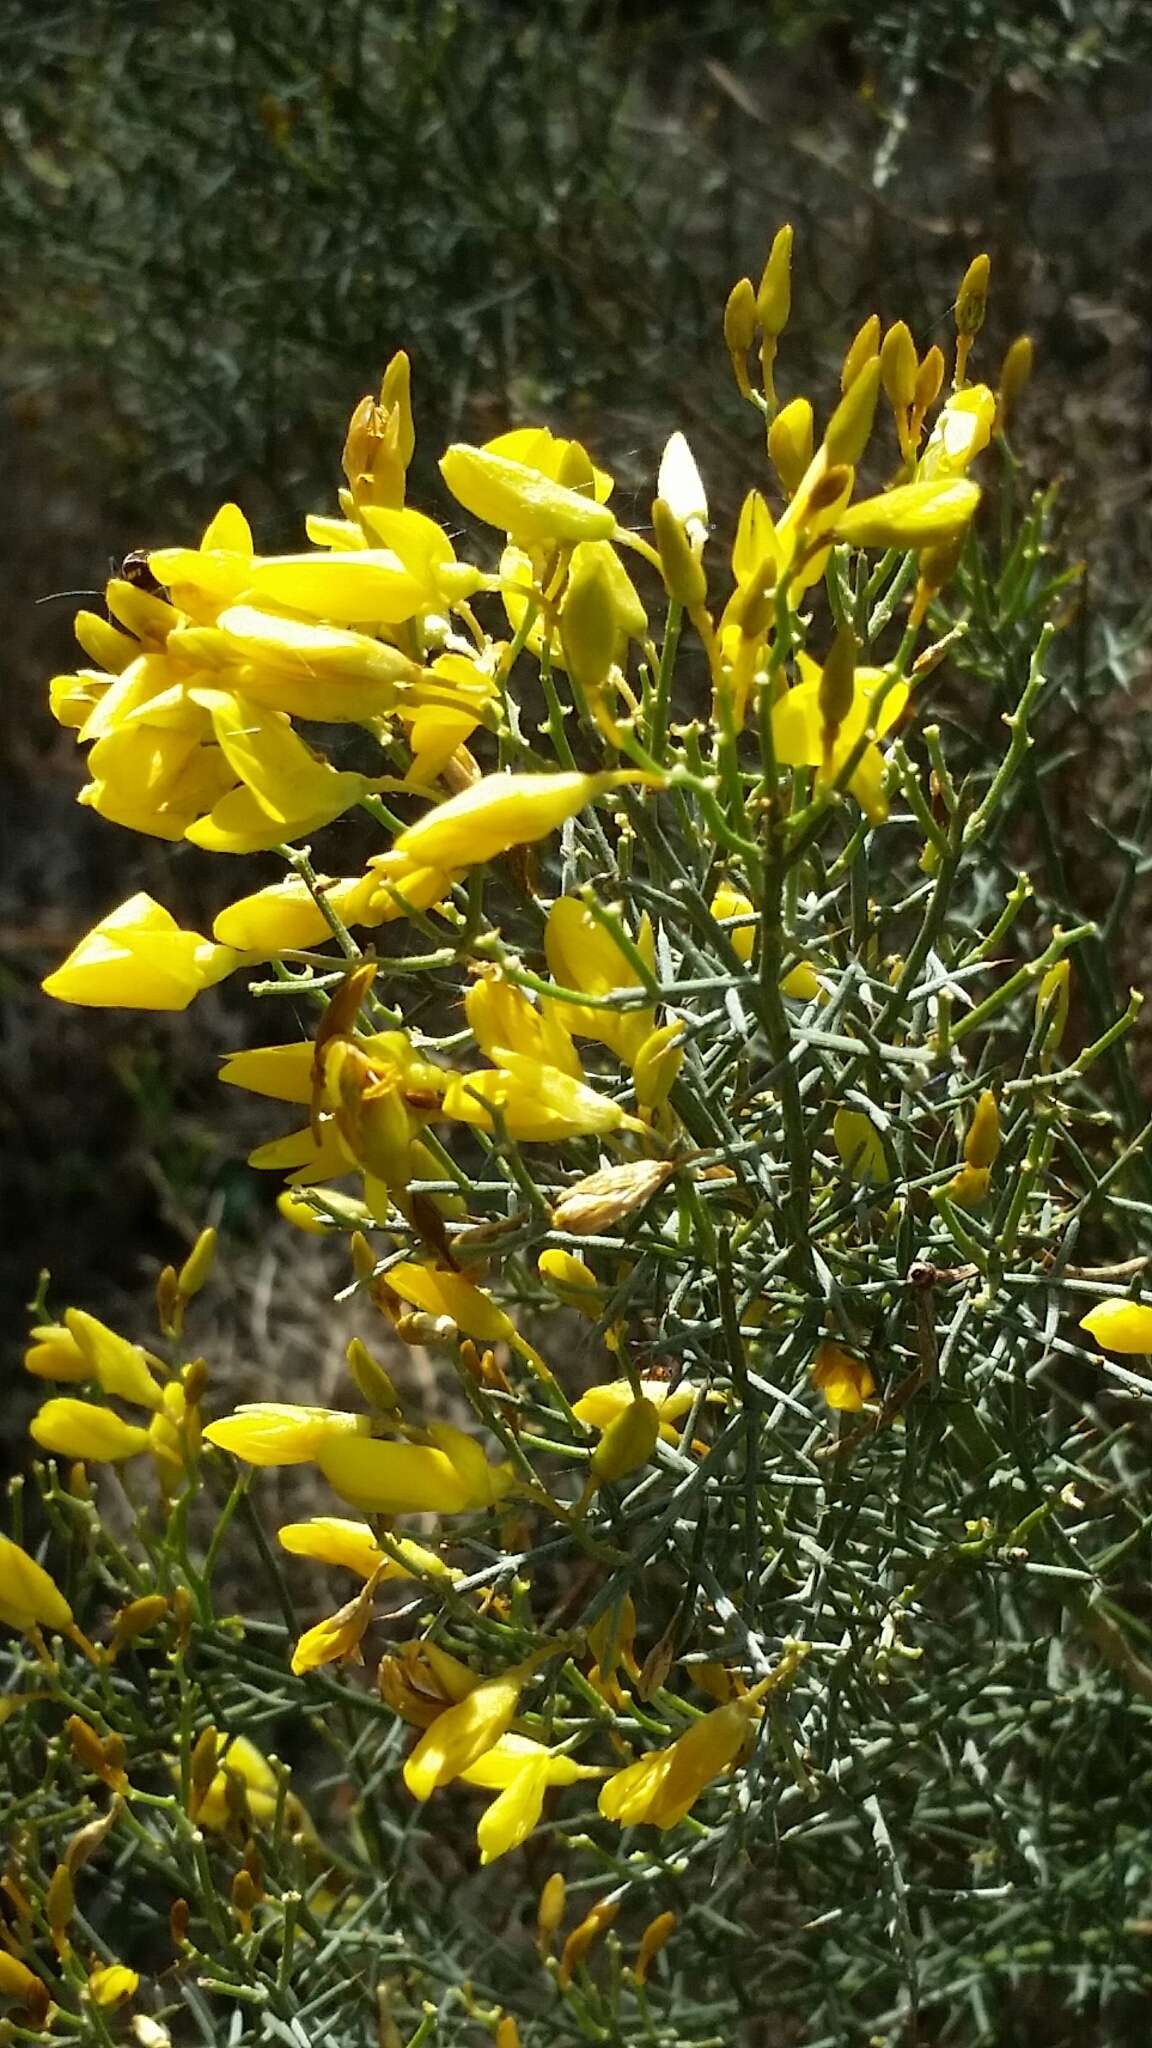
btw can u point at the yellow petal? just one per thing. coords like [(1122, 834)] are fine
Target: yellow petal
[(1123, 1326), (404, 1479), (521, 500), (81, 1429), (282, 1433), (27, 1590)]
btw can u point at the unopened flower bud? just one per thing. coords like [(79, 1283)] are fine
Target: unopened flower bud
[(740, 331), (848, 429), (983, 1140), (864, 345), (198, 1265), (582, 1938), (680, 566), (1015, 372), (371, 1379), (652, 1941), (790, 443)]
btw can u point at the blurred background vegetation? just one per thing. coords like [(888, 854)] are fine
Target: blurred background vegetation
[(217, 222)]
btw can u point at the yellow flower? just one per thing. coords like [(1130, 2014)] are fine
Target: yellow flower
[(410, 1479), (582, 954), (137, 958), (519, 1771), (280, 1433), (460, 1735), (962, 431), (1123, 1326), (574, 1281), (983, 1140), (659, 1789), (331, 1539), (502, 1019), (338, 1636), (112, 1984), (627, 1442), (603, 1405), (22, 1987), (54, 1354), (119, 1368), (287, 791), (798, 731), (499, 812), (790, 443), (440, 1293), (81, 1429), (257, 1783), (29, 1596), (844, 1381), (537, 1104), (860, 1146), (286, 917), (918, 515), (526, 503)]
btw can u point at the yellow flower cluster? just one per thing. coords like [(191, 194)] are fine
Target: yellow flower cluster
[(211, 679)]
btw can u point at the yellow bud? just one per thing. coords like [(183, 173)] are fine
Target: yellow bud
[(582, 1938), (627, 1443), (848, 429), (864, 345), (29, 1596), (652, 1941), (588, 625), (169, 1305), (860, 1146), (1052, 997), (740, 330), (929, 380), (972, 297), (573, 1280), (680, 565), (138, 1618), (59, 1906), (657, 1064), (507, 2032), (550, 1912), (198, 1265), (790, 443), (245, 1897), (1015, 372), (968, 1188), (202, 1769), (370, 1379), (837, 687), (899, 367), (983, 1140), (774, 298), (84, 1844)]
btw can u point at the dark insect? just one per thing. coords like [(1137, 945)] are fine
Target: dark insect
[(134, 570)]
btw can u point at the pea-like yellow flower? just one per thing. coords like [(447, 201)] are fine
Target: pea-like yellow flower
[(23, 1987), (286, 791), (499, 812), (582, 954), (627, 1442), (535, 1103), (338, 1637), (138, 958), (257, 1788), (982, 1142), (574, 1281), (282, 1433), (118, 1367), (660, 1788), (410, 1479), (602, 1406), (502, 1019), (29, 1596), (463, 1733), (527, 504), (801, 982), (81, 1429), (919, 515), (520, 1772), (1122, 1326), (54, 1354), (800, 735), (441, 1293), (331, 1539), (845, 1382)]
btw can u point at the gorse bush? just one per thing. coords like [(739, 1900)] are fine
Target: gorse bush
[(688, 1085)]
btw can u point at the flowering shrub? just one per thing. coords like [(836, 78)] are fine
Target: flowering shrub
[(792, 1600)]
